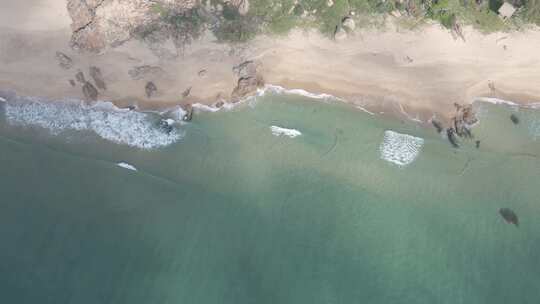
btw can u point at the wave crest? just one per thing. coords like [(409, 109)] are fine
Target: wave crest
[(123, 126)]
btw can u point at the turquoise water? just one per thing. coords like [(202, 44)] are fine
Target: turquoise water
[(231, 213)]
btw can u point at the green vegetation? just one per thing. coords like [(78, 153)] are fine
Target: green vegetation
[(280, 16)]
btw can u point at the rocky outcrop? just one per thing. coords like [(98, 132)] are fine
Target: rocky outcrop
[(463, 120), (241, 5), (98, 24), (249, 79), (189, 112)]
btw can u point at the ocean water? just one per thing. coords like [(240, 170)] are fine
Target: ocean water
[(282, 199)]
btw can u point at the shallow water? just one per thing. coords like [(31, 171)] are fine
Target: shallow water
[(232, 213)]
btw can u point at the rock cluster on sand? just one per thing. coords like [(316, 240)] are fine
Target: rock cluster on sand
[(145, 71), (96, 75), (461, 123), (64, 60), (249, 79), (90, 92)]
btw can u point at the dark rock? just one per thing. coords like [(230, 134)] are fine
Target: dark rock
[(145, 71), (90, 92), (249, 79), (219, 104), (186, 92), (464, 118), (509, 216), (437, 124), (80, 77), (131, 107), (477, 144), (95, 73), (189, 112), (202, 73), (72, 82), (451, 133), (150, 89), (514, 119), (64, 60), (165, 126)]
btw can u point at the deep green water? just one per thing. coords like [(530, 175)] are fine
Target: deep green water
[(234, 214)]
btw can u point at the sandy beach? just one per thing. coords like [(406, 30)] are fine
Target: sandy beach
[(395, 71)]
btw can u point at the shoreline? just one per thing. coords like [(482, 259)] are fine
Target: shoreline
[(407, 74)]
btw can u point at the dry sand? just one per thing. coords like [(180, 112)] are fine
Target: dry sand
[(420, 72)]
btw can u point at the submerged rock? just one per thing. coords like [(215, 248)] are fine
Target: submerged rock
[(514, 119), (90, 92), (72, 82), (64, 60), (96, 75), (437, 124), (509, 216), (150, 89), (451, 133)]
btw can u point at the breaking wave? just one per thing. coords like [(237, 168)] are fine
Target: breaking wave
[(123, 126), (278, 131), (400, 149)]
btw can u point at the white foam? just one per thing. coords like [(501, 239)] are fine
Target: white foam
[(301, 92), (400, 149), (278, 131), (496, 101), (126, 166), (365, 110), (206, 108), (175, 114), (2, 99), (121, 126)]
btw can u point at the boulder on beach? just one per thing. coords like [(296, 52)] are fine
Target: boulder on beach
[(64, 61), (90, 92), (340, 34), (348, 24), (150, 89), (80, 77), (96, 75)]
